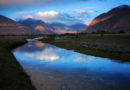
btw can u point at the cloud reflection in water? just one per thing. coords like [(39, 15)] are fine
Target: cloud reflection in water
[(38, 53), (47, 54)]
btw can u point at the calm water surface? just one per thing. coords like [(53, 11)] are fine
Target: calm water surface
[(54, 68)]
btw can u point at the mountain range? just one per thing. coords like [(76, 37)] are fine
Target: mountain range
[(32, 26), (41, 27), (115, 20)]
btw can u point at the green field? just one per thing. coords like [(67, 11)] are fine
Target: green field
[(114, 46), (12, 76)]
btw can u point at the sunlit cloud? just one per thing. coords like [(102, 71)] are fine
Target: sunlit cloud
[(47, 16)]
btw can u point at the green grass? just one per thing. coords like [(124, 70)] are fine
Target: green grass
[(12, 76), (114, 46)]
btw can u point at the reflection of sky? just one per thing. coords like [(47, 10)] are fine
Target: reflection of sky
[(41, 54), (47, 54)]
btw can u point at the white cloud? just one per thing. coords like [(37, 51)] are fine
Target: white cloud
[(47, 16)]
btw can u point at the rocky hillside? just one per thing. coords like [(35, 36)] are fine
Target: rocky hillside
[(116, 20), (38, 26), (10, 27)]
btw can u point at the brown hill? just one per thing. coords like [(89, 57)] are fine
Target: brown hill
[(10, 27), (116, 20)]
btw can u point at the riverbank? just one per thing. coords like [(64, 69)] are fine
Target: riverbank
[(12, 76), (114, 46)]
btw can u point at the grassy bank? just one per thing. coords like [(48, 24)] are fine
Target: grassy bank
[(12, 76), (114, 46)]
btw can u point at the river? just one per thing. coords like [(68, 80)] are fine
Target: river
[(54, 68)]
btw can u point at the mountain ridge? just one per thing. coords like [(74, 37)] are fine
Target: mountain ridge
[(51, 28), (115, 20)]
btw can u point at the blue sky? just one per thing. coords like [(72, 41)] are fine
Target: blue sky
[(64, 11)]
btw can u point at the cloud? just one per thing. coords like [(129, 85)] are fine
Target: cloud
[(47, 16), (54, 16)]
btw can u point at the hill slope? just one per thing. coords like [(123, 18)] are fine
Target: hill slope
[(10, 27), (116, 20)]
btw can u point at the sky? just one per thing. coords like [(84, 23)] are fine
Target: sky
[(63, 11)]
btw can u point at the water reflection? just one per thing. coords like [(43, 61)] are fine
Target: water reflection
[(36, 54)]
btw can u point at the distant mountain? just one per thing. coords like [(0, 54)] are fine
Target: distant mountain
[(61, 28), (10, 27), (38, 26), (41, 27), (78, 26), (116, 20)]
